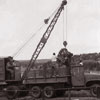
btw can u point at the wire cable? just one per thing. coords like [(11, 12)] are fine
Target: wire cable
[(46, 22), (63, 27), (15, 54), (54, 12), (66, 22)]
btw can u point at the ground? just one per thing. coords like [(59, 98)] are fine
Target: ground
[(76, 95)]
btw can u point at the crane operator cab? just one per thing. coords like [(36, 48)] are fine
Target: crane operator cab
[(12, 69), (9, 70)]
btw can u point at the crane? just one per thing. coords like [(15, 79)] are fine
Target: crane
[(43, 40)]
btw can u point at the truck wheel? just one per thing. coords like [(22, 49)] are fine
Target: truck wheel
[(93, 89), (12, 92), (36, 91), (48, 91)]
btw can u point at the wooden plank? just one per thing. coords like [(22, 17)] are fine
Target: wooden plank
[(46, 80)]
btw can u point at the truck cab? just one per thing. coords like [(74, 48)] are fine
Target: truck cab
[(86, 75)]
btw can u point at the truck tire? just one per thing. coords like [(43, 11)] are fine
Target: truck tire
[(93, 89), (48, 92), (36, 91), (12, 92)]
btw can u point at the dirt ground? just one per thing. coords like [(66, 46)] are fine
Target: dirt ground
[(73, 98), (75, 95)]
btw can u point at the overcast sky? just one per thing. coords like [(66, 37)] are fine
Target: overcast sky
[(19, 19)]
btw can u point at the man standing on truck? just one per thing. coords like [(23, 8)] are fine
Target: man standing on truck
[(54, 58), (64, 56), (10, 68), (54, 65)]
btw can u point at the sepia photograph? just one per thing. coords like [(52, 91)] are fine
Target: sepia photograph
[(49, 49)]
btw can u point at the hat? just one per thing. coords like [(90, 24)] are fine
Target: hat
[(10, 57)]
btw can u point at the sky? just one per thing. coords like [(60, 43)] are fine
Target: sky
[(20, 19)]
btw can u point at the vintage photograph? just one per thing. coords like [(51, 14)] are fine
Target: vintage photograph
[(49, 50)]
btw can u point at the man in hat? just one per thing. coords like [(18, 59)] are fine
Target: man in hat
[(10, 68)]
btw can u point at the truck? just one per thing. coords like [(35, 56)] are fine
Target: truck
[(78, 76), (47, 78)]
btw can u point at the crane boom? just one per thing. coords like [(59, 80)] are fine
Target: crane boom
[(44, 39)]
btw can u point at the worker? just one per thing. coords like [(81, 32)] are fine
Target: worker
[(81, 63), (64, 56), (54, 65), (53, 59), (10, 68)]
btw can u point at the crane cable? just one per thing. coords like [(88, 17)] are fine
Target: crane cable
[(16, 53), (45, 22), (65, 25), (66, 22), (54, 11), (63, 28)]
